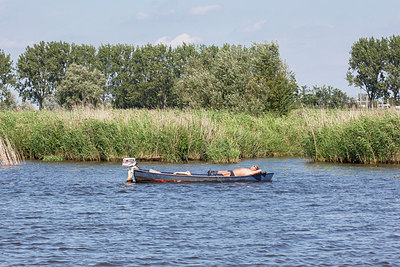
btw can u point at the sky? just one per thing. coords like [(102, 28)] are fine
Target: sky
[(314, 36)]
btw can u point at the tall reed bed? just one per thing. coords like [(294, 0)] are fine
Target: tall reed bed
[(353, 136), (358, 136), (166, 135)]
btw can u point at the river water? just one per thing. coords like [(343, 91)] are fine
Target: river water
[(83, 214)]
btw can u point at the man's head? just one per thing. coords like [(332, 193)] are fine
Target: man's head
[(254, 168)]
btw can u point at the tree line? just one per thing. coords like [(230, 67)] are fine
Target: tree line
[(122, 75), (325, 96), (374, 66), (232, 77)]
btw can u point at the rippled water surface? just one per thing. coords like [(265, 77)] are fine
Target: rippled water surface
[(311, 214)]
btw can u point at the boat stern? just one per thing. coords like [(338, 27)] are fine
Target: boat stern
[(130, 163)]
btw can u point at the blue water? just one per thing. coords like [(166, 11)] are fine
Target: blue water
[(83, 214)]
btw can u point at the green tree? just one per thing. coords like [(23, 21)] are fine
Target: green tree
[(178, 59), (125, 66), (220, 83), (7, 80), (84, 55), (238, 79), (307, 97), (107, 63), (281, 87), (156, 77), (144, 76), (324, 97), (340, 99), (195, 85), (392, 67), (282, 92), (81, 87), (40, 69), (366, 67)]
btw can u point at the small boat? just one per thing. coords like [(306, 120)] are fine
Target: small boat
[(152, 176)]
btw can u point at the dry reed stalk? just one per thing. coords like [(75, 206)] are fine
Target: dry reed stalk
[(322, 118), (8, 154), (182, 119), (311, 127), (80, 114)]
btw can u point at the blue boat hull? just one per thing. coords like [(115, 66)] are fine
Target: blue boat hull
[(145, 176)]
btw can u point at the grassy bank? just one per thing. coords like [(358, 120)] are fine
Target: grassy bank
[(354, 136), (174, 135), (170, 135)]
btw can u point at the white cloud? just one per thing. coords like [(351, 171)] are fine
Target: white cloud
[(178, 40), (201, 10), (15, 44), (142, 15), (254, 27)]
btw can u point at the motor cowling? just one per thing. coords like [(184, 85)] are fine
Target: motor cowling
[(130, 163)]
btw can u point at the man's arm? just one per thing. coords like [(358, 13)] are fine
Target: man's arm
[(256, 172)]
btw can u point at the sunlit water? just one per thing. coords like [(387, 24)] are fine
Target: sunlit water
[(71, 214)]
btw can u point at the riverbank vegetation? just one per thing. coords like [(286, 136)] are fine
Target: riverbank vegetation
[(8, 153), (194, 102), (356, 136), (167, 135)]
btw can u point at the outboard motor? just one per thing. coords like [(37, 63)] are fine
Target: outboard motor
[(130, 163)]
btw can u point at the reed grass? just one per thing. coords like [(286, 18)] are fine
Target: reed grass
[(8, 154), (354, 136), (176, 135)]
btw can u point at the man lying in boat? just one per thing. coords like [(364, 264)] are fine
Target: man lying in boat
[(239, 172)]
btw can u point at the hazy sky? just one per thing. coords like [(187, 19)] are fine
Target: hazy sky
[(315, 36)]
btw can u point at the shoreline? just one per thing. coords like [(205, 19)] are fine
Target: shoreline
[(343, 136)]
